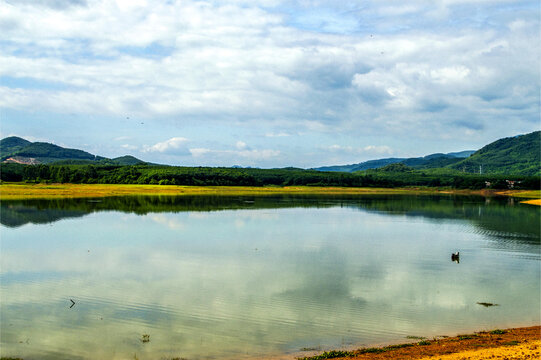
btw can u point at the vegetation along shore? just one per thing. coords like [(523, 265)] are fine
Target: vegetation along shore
[(17, 191), (517, 343)]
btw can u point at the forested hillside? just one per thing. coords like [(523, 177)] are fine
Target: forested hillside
[(514, 155), (18, 150)]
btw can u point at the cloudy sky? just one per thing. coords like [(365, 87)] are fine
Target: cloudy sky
[(269, 83)]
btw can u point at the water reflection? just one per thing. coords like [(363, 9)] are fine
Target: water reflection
[(262, 276)]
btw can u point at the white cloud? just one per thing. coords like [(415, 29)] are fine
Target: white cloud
[(199, 152), (281, 68), (235, 155), (366, 150), (176, 145), (129, 147), (241, 145), (277, 134)]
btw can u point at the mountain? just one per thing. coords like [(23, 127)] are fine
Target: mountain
[(517, 155), (17, 150), (429, 161), (520, 155), (127, 160), (12, 144)]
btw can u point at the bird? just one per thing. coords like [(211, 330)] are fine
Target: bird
[(455, 257)]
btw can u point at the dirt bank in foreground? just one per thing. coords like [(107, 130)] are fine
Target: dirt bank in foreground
[(520, 343)]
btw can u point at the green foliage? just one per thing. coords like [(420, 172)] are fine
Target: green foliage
[(515, 155), (11, 144), (396, 168), (519, 155), (395, 175), (498, 332), (48, 151), (333, 354), (467, 337), (12, 172), (127, 160)]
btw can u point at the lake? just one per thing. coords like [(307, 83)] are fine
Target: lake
[(252, 277)]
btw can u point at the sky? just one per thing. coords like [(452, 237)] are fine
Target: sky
[(269, 83)]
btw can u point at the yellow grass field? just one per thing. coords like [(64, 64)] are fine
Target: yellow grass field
[(12, 191), (17, 191)]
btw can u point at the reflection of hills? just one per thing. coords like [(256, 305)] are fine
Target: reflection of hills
[(15, 215), (495, 216)]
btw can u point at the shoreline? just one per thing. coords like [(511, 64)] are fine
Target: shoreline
[(22, 191), (512, 343)]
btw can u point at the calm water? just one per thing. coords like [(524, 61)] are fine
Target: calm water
[(213, 278)]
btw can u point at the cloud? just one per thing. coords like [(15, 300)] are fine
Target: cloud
[(241, 145), (277, 134), (176, 145), (243, 156), (55, 4), (367, 150), (129, 147), (311, 69)]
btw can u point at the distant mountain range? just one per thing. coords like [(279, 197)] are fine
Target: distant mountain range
[(514, 155), (14, 149), (429, 161), (520, 155)]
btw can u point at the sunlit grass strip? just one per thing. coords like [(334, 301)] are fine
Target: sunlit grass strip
[(18, 191), (534, 195), (15, 191), (528, 194)]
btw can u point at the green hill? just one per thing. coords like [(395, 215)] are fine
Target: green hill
[(45, 153), (425, 162), (12, 144), (16, 149), (518, 155), (127, 160)]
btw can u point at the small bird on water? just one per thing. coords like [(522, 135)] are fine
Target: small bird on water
[(455, 257)]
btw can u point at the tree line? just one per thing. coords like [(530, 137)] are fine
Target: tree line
[(209, 176)]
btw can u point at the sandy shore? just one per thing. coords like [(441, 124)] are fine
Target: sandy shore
[(519, 343)]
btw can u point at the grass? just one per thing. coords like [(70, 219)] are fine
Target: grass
[(511, 343), (340, 354), (329, 355), (16, 191), (528, 194), (467, 337), (19, 191)]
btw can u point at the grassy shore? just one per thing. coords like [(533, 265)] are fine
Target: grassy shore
[(17, 191), (518, 343)]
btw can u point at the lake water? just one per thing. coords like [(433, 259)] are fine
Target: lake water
[(219, 278)]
